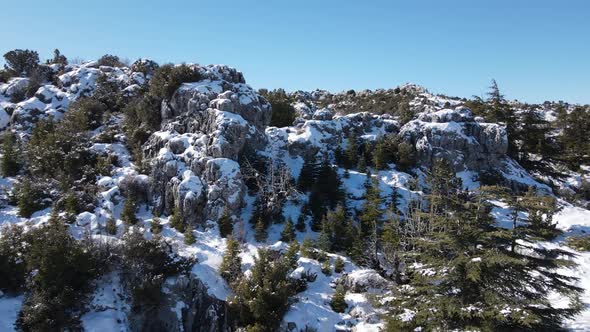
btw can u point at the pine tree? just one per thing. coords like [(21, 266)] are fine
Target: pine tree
[(291, 254), (309, 173), (225, 223), (326, 194), (469, 264), (128, 213), (361, 165), (339, 227), (288, 233), (325, 240), (338, 265), (27, 199), (307, 248), (260, 231), (500, 111), (176, 221), (189, 237), (231, 265), (156, 226), (301, 226), (111, 226), (9, 163), (352, 150), (338, 302), (326, 268)]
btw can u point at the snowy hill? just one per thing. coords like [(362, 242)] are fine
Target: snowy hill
[(202, 162)]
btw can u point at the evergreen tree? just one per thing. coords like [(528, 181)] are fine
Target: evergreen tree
[(288, 233), (156, 226), (231, 265), (338, 265), (326, 268), (352, 150), (309, 172), (176, 221), (9, 163), (324, 242), (226, 225), (291, 254), (300, 225), (128, 213), (307, 248), (466, 261), (338, 303), (326, 194), (27, 199), (500, 111), (189, 237), (405, 159), (111, 226), (370, 219), (260, 231)]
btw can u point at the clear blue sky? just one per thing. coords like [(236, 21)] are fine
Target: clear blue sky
[(536, 49)]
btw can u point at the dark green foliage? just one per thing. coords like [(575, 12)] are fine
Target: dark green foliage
[(326, 268), (168, 78), (260, 232), (338, 303), (351, 152), (288, 233), (156, 225), (64, 272), (325, 195), (231, 265), (21, 62), (12, 265), (467, 261), (226, 225), (145, 66), (405, 159), (60, 151), (111, 226), (283, 114), (28, 198), (300, 226), (110, 61), (309, 172), (307, 248), (85, 114), (128, 213), (58, 58), (574, 144), (176, 221), (189, 237), (262, 298), (10, 157), (5, 76), (145, 266), (291, 254), (579, 242), (338, 265)]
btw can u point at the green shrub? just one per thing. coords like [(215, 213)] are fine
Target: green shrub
[(337, 303), (326, 268), (176, 221), (21, 62), (338, 265), (156, 226), (10, 163), (579, 242), (110, 61), (145, 66), (63, 278), (189, 237), (12, 265), (5, 76), (283, 114), (226, 225), (85, 114), (145, 266), (128, 213), (28, 198), (168, 78), (111, 226)]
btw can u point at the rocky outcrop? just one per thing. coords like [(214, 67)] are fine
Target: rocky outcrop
[(205, 127), (186, 306), (456, 136)]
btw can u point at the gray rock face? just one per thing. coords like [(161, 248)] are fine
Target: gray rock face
[(206, 126), (186, 307), (454, 135)]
